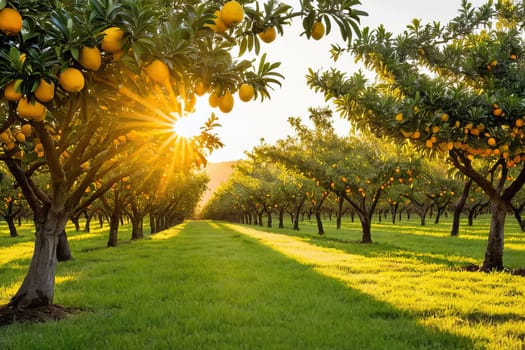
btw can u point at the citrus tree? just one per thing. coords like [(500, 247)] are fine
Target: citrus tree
[(356, 169), (91, 86), (454, 89)]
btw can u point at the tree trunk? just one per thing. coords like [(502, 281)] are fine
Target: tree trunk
[(366, 226), (458, 208), (320, 228), (38, 287), (11, 224), (74, 220), (137, 228), (281, 217), (63, 249), (269, 222), (113, 229), (339, 212), (494, 253)]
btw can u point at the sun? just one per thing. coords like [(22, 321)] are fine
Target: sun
[(187, 126)]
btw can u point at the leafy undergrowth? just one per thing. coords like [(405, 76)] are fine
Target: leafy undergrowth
[(209, 285)]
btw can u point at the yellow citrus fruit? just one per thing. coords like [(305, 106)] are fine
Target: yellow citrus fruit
[(399, 117), (444, 117), (200, 88), (226, 102), (5, 136), (213, 100), (45, 91), (31, 110), (416, 135), (497, 112), (20, 137), (491, 141), (219, 26), (232, 13), (10, 21), (112, 39), (26, 129), (10, 91), (513, 56), (158, 71), (246, 92), (90, 58), (317, 30), (72, 80), (268, 35)]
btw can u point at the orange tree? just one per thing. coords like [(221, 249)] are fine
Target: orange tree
[(356, 169), (454, 89), (90, 86)]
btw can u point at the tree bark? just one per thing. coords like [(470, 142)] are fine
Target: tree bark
[(494, 252), (63, 249), (320, 228), (113, 229), (341, 200), (458, 208), (137, 228), (11, 224), (38, 287)]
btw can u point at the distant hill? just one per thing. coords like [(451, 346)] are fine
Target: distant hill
[(218, 173)]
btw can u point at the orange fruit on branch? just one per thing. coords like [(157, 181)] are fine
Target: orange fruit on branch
[(219, 26), (10, 21), (11, 92), (45, 91), (226, 102), (268, 35), (232, 13), (317, 30), (26, 129), (90, 58), (200, 88), (158, 71), (31, 110), (213, 100), (72, 80), (246, 92), (112, 39)]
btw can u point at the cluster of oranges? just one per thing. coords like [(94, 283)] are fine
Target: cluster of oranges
[(230, 14)]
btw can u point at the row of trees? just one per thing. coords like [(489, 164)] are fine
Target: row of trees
[(318, 173), (453, 91), (91, 90)]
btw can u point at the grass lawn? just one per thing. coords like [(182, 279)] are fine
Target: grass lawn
[(212, 285)]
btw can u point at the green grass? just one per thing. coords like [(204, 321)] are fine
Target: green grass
[(210, 285)]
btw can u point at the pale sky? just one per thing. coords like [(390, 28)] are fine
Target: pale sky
[(243, 128)]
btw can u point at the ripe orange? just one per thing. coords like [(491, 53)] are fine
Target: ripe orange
[(399, 117), (11, 92), (219, 26), (232, 13), (513, 56), (416, 135), (112, 39), (268, 35), (200, 88), (10, 21), (317, 30), (45, 91), (213, 100), (90, 58), (444, 117), (5, 136), (20, 137), (158, 71), (31, 110), (26, 129), (226, 102), (246, 92), (72, 80), (491, 141), (497, 112), (519, 123)]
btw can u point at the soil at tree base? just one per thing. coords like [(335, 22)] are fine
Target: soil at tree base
[(45, 313)]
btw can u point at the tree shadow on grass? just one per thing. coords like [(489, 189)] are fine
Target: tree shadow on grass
[(223, 290)]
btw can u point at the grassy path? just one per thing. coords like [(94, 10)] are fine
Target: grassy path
[(215, 286)]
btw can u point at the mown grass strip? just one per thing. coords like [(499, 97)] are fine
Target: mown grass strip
[(210, 287), (487, 308)]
